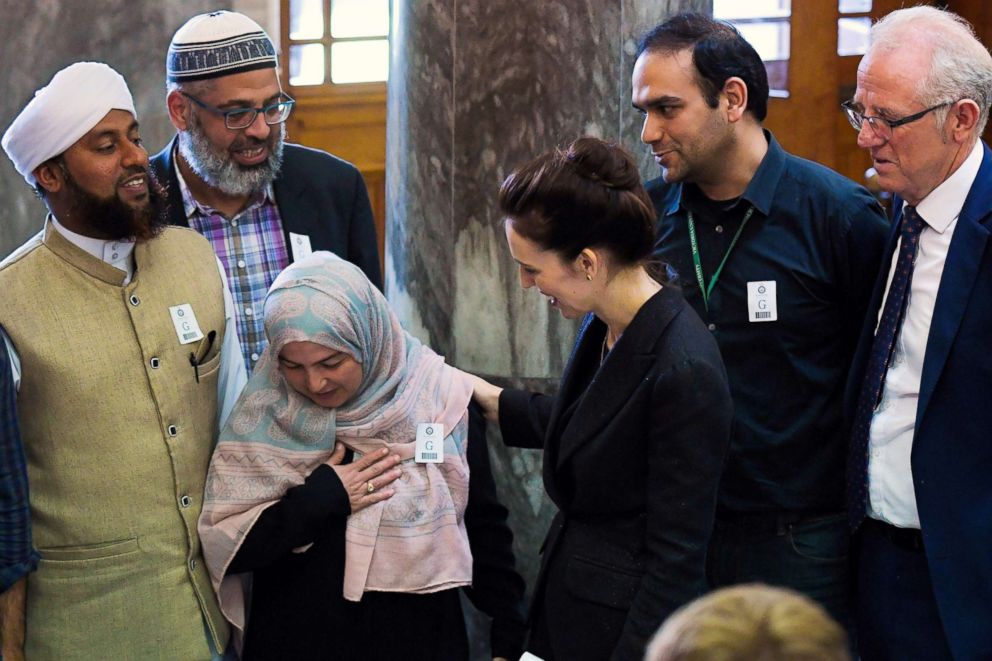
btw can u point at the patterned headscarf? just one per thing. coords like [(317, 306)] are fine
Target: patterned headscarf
[(413, 542)]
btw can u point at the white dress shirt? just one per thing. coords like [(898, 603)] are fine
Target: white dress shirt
[(891, 494), (120, 254)]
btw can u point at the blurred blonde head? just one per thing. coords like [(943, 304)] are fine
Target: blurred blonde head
[(750, 623)]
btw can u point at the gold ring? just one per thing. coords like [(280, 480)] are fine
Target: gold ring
[(371, 487)]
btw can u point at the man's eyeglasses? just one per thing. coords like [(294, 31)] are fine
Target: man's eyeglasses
[(242, 118), (880, 125)]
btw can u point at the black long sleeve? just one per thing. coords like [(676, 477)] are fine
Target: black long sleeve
[(497, 589), (299, 518), (524, 418)]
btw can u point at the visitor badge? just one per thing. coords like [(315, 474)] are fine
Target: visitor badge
[(184, 320), (761, 302), (430, 443), (300, 244)]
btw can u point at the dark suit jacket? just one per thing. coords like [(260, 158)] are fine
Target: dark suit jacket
[(632, 460), (318, 195), (952, 442)]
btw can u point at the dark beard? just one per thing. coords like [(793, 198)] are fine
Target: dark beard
[(112, 218)]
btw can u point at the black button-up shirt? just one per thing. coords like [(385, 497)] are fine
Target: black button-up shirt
[(820, 238)]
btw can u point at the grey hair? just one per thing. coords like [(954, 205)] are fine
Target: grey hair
[(960, 66), (196, 87)]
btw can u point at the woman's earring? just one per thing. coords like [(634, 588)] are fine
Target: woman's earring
[(588, 277)]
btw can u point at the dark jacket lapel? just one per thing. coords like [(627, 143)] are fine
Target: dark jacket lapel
[(299, 212), (631, 357), (165, 172), (859, 362), (590, 332), (961, 267)]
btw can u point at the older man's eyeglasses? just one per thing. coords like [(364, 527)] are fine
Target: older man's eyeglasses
[(242, 118), (880, 125)]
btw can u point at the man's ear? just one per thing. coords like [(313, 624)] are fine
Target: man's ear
[(50, 176), (735, 91), (962, 118), (178, 106)]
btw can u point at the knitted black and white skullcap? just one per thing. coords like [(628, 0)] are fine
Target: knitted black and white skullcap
[(218, 44)]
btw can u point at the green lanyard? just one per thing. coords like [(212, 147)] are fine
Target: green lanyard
[(706, 290)]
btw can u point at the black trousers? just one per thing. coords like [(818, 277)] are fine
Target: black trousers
[(809, 554), (897, 611)]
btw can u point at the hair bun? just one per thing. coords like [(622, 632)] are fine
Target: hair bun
[(603, 162), (585, 195)]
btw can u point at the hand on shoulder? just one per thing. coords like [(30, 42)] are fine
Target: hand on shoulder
[(486, 395)]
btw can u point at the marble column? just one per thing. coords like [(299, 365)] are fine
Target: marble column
[(478, 87), (40, 37)]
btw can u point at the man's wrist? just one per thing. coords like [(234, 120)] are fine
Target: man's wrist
[(12, 621)]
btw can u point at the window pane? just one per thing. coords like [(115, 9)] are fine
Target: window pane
[(765, 25), (852, 36), (359, 18), (770, 39), (306, 19), (734, 9), (853, 6), (306, 64), (360, 61)]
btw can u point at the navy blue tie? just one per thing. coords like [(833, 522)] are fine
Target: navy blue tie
[(878, 365)]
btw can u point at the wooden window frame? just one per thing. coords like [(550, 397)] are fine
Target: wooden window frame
[(777, 70), (326, 93)]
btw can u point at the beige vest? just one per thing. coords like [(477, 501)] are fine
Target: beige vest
[(118, 434)]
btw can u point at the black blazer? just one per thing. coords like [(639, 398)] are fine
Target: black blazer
[(632, 459), (318, 195)]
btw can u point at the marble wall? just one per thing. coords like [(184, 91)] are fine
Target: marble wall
[(40, 37), (478, 87)]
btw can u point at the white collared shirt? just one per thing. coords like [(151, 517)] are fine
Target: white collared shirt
[(116, 253), (891, 496), (120, 254)]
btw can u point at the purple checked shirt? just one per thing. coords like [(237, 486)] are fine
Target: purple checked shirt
[(252, 248)]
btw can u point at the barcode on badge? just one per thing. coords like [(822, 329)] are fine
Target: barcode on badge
[(762, 315), (428, 456), (189, 336)]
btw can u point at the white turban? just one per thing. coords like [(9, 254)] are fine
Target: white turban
[(62, 112)]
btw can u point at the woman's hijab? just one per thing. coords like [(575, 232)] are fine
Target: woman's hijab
[(413, 542)]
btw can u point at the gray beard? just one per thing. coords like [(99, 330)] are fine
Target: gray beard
[(220, 171)]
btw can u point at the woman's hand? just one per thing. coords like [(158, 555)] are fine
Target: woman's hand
[(486, 395), (365, 479)]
